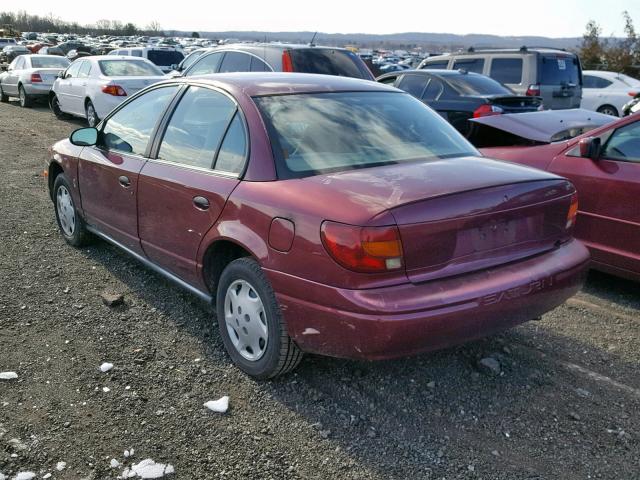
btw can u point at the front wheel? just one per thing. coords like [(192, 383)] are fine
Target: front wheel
[(54, 104), (4, 98), (253, 330), (92, 116), (70, 222), (25, 100)]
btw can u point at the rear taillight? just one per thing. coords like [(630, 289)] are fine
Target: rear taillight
[(287, 64), (363, 249), (632, 94), (573, 211), (36, 78), (115, 90), (533, 91), (486, 110)]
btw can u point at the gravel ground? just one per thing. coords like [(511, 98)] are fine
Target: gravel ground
[(562, 401)]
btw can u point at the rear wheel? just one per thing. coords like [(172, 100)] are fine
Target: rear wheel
[(70, 222), (25, 100), (253, 330), (3, 97), (92, 116), (609, 110)]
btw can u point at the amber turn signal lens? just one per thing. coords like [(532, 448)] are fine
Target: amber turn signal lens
[(573, 211)]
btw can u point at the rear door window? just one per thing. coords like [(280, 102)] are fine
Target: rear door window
[(506, 70), (589, 81), (136, 53), (235, 62), (258, 65), (205, 65), (474, 65), (439, 65), (413, 84), (234, 148), (559, 69), (196, 128), (329, 61), (433, 90), (85, 69)]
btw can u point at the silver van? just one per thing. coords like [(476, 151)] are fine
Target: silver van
[(163, 57), (555, 75)]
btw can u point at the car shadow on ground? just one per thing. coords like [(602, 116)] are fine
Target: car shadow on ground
[(428, 413)]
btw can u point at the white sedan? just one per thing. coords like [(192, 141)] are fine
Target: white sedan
[(93, 86), (30, 77), (607, 92)]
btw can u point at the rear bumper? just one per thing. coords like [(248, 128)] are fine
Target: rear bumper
[(36, 89), (412, 318)]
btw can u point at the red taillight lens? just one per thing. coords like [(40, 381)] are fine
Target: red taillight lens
[(287, 64), (36, 78), (573, 211), (486, 110), (533, 91), (363, 249), (632, 94), (115, 90)]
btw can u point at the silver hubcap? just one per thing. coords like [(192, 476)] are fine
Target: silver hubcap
[(246, 320), (66, 212), (91, 115)]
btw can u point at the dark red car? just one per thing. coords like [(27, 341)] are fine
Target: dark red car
[(320, 214), (604, 165)]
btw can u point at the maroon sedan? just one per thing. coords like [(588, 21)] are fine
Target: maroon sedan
[(319, 214), (604, 165)]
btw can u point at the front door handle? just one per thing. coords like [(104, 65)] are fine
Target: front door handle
[(124, 181), (201, 203)]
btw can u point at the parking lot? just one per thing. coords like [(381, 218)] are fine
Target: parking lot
[(562, 400)]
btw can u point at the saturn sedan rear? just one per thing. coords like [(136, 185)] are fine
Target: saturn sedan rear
[(320, 214)]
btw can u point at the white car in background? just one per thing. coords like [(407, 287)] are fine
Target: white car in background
[(607, 92), (30, 77), (165, 58), (93, 86)]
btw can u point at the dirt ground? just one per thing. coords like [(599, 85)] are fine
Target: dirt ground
[(564, 405)]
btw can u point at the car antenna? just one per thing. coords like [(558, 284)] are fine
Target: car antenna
[(311, 44)]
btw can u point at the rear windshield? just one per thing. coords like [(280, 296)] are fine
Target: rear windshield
[(476, 85), (49, 62), (559, 69), (127, 68), (165, 57), (327, 132), (328, 61)]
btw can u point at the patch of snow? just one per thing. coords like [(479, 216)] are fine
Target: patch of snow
[(114, 463), (3, 477), (24, 476), (61, 466), (219, 406), (48, 475), (106, 389), (310, 331), (8, 375), (150, 469), (105, 367)]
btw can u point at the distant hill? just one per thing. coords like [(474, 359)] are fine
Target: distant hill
[(434, 42)]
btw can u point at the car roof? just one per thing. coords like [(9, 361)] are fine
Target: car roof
[(274, 83), (601, 73), (277, 46)]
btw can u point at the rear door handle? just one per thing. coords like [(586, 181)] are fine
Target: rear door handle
[(124, 181), (201, 203)]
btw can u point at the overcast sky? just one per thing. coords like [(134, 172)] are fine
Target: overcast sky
[(552, 18)]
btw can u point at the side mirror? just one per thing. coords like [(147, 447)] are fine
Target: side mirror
[(590, 148), (84, 137)]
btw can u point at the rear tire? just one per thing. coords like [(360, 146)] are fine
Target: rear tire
[(25, 100), (609, 110), (3, 97), (92, 116), (54, 105), (70, 223), (244, 284)]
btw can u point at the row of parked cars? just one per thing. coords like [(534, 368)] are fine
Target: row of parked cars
[(321, 211)]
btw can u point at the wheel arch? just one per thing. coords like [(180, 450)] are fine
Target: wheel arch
[(216, 256), (55, 169)]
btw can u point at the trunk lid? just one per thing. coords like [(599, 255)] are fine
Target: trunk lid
[(48, 75), (132, 85), (473, 230)]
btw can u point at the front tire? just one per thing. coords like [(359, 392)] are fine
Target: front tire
[(608, 110), (4, 98), (92, 116), (25, 100), (70, 222), (253, 330)]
